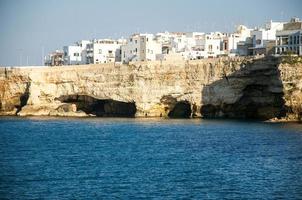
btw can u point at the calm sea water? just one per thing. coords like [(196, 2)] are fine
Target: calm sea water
[(59, 158)]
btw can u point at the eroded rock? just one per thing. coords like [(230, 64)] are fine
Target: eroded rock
[(226, 87)]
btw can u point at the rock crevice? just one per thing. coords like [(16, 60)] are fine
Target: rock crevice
[(258, 88)]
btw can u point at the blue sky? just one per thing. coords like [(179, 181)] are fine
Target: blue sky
[(27, 27)]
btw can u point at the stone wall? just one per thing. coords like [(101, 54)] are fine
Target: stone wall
[(259, 88)]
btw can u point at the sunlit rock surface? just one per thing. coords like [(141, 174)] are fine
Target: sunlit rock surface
[(258, 88)]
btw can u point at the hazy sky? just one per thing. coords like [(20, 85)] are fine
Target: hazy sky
[(29, 26)]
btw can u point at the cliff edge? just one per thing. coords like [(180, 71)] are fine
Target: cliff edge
[(259, 88)]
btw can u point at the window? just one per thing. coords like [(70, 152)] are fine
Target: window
[(110, 51), (100, 51), (135, 41), (147, 39), (258, 41), (210, 47), (296, 40), (135, 49), (278, 40), (76, 54), (130, 39)]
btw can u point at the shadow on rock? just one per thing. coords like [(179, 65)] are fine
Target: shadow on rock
[(253, 92)]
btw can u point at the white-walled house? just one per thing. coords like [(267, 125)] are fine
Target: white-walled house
[(290, 38), (208, 45), (179, 42), (104, 51), (141, 47), (264, 37), (75, 54), (192, 45), (231, 41), (72, 55), (188, 45), (83, 44)]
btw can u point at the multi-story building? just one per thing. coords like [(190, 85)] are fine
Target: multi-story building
[(55, 58), (141, 47), (104, 51), (75, 54), (209, 45), (263, 38), (230, 41), (193, 45), (290, 38), (188, 46)]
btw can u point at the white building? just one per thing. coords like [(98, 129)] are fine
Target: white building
[(141, 47), (104, 51), (230, 41), (179, 42), (290, 38), (208, 45), (191, 45), (72, 55), (75, 54), (263, 37)]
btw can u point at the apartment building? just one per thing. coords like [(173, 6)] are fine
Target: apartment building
[(104, 51), (290, 38), (140, 47), (75, 54)]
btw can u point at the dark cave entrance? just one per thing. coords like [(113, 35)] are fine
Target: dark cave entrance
[(100, 107), (23, 98), (182, 109), (257, 102)]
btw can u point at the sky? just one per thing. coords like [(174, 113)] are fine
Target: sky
[(30, 29)]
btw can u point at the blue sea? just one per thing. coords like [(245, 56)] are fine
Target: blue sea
[(114, 158)]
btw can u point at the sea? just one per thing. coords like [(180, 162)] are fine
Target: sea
[(145, 158)]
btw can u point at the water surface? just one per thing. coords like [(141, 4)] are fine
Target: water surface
[(104, 158)]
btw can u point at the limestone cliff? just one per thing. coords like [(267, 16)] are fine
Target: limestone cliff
[(262, 88)]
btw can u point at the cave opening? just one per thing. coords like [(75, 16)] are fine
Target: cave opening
[(100, 107), (257, 103), (23, 98), (182, 109)]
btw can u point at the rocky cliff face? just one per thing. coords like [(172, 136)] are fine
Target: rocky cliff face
[(260, 88)]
